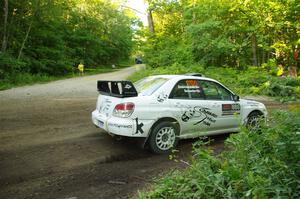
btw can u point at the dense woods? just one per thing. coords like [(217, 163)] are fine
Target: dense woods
[(51, 37), (224, 32), (252, 46)]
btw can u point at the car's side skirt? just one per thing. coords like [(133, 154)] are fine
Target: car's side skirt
[(205, 133)]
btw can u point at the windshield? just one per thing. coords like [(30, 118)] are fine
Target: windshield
[(149, 85)]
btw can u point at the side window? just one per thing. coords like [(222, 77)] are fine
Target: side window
[(225, 94), (187, 89), (214, 91)]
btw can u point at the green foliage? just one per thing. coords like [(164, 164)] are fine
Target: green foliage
[(282, 87), (254, 165), (168, 52), (249, 81), (50, 38), (167, 46), (213, 35), (9, 65), (20, 79), (286, 88), (220, 33)]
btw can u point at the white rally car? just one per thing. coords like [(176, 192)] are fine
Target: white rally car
[(165, 108)]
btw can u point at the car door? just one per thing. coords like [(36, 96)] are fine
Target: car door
[(186, 100), (220, 101)]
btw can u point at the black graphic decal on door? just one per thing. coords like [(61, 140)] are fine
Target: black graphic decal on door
[(204, 115), (162, 97)]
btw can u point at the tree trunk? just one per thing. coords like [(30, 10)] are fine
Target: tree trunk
[(254, 49), (35, 10), (9, 27), (25, 39), (4, 42), (150, 22)]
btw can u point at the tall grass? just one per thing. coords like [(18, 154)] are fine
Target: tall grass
[(253, 165), (21, 79)]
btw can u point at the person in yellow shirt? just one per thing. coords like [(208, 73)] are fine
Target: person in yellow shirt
[(81, 68)]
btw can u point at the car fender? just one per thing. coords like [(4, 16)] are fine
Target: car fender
[(249, 106)]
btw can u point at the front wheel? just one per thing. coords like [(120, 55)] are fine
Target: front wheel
[(254, 120), (163, 137)]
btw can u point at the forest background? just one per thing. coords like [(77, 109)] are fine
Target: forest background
[(245, 44), (248, 45), (46, 39)]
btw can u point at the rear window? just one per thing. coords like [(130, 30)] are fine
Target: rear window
[(149, 85)]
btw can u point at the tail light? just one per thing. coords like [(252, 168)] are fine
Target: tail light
[(124, 109)]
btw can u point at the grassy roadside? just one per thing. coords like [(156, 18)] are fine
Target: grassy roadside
[(250, 81), (22, 79), (263, 164)]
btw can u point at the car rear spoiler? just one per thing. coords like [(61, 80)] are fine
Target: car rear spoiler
[(117, 88)]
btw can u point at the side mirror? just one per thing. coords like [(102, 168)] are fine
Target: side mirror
[(236, 98)]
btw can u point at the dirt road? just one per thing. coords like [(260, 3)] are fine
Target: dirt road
[(50, 149)]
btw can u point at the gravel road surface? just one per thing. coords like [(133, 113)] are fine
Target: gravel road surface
[(50, 149)]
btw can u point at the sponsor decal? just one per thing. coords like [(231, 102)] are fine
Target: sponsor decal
[(162, 97), (188, 87), (120, 125), (192, 91), (203, 114), (139, 127), (191, 82), (105, 105), (231, 109), (127, 86)]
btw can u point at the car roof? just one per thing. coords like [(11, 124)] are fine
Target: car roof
[(179, 77)]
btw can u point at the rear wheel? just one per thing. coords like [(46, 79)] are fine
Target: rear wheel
[(163, 137)]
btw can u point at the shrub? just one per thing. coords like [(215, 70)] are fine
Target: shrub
[(9, 66), (253, 165), (283, 88), (253, 80)]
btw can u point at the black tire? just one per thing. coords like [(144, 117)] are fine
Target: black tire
[(163, 137), (254, 121)]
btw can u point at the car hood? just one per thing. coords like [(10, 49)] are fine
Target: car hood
[(252, 103)]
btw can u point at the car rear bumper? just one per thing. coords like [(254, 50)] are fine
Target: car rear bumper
[(122, 126)]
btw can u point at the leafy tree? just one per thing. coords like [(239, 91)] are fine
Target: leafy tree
[(52, 36), (224, 32)]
